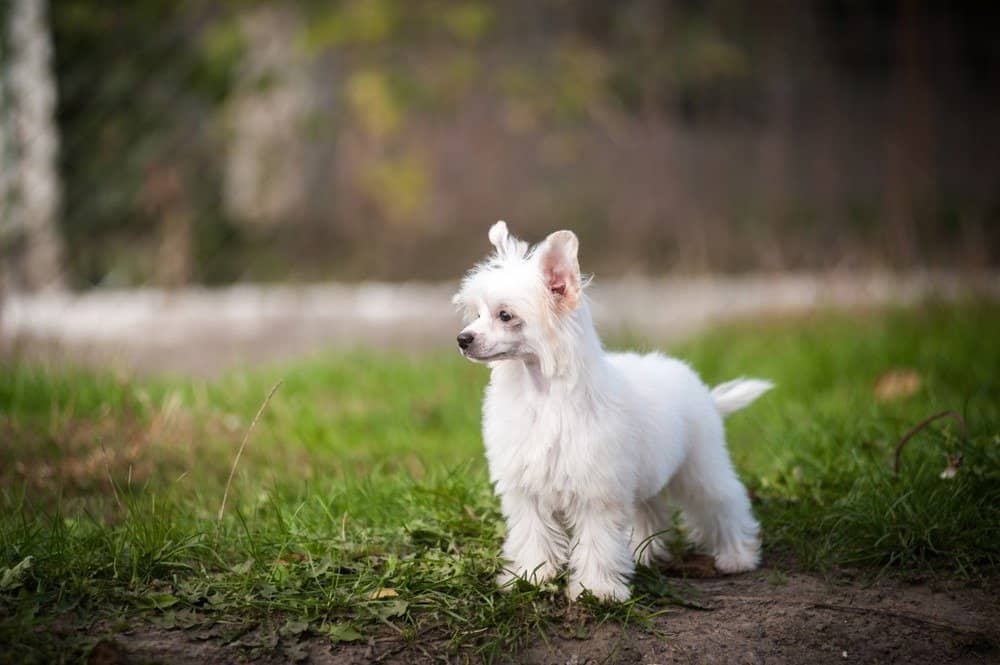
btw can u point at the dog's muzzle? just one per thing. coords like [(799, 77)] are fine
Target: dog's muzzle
[(465, 340)]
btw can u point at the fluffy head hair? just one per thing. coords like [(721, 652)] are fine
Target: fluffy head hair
[(541, 284)]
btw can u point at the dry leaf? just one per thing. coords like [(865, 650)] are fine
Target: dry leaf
[(384, 592), (897, 383), (291, 557)]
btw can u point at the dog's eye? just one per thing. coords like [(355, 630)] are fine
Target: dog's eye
[(505, 316)]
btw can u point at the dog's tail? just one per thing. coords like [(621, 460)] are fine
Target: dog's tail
[(735, 395)]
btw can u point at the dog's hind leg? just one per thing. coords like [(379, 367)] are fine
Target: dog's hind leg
[(715, 505), (653, 518), (536, 544)]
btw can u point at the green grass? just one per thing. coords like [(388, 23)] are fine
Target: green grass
[(361, 505)]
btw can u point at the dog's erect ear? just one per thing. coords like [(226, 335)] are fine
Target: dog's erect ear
[(506, 244), (560, 268), (499, 235)]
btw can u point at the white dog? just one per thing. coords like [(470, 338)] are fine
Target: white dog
[(581, 444)]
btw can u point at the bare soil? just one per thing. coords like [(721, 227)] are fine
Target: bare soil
[(764, 617)]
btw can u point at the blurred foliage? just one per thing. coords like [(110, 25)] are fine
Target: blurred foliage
[(137, 86), (374, 103), (378, 22), (399, 185), (678, 135)]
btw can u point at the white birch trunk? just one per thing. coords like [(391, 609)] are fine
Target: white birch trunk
[(34, 177), (6, 159)]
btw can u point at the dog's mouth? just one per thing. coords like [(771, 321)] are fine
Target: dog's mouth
[(479, 358)]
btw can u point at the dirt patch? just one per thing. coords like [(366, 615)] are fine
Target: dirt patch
[(765, 617), (148, 644), (770, 618)]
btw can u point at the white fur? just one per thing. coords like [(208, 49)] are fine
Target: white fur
[(585, 447), (732, 396)]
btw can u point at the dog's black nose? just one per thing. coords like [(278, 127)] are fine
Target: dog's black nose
[(465, 339)]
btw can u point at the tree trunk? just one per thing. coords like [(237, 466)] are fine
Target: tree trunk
[(34, 180)]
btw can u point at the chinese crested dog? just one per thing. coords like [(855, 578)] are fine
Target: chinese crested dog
[(590, 451)]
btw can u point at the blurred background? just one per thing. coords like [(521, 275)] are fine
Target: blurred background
[(157, 143), (219, 141)]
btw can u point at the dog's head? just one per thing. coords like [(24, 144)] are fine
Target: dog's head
[(518, 301)]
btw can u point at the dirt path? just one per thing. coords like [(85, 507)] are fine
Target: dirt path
[(765, 617), (202, 331)]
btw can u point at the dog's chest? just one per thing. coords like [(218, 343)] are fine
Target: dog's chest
[(539, 448)]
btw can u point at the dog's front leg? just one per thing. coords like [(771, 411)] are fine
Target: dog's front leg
[(600, 558), (536, 544)]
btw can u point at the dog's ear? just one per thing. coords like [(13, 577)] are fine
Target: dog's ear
[(506, 244), (560, 268), (499, 235)]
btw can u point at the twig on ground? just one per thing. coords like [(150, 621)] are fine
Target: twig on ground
[(239, 453), (922, 425)]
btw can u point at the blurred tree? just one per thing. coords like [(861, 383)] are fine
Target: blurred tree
[(141, 85), (219, 140), (6, 157), (32, 190), (266, 150)]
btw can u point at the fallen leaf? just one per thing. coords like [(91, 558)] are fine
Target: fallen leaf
[(12, 578), (160, 601), (897, 383), (293, 627), (391, 609), (291, 557), (383, 592), (243, 568), (341, 632)]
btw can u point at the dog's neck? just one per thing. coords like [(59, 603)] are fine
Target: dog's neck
[(576, 363), (540, 382)]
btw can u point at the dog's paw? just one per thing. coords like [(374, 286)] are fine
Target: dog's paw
[(607, 590), (738, 560)]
